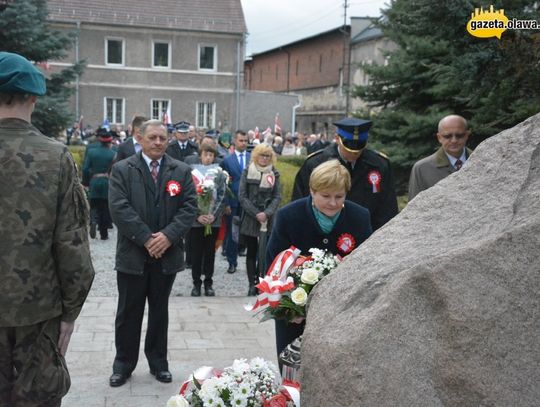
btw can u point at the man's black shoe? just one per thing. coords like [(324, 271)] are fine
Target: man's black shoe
[(93, 231), (196, 292), (252, 291), (231, 270), (209, 292), (242, 253), (118, 379), (163, 376)]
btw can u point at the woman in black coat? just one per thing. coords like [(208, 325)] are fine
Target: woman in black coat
[(259, 195), (324, 220)]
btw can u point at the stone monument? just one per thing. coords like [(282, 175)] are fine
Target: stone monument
[(441, 306)]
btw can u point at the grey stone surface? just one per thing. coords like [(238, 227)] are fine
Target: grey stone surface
[(441, 306)]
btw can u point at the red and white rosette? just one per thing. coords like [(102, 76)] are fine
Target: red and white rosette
[(270, 179), (346, 243), (173, 188), (277, 280), (375, 178)]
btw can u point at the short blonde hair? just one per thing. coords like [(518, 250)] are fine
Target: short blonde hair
[(330, 176), (262, 148)]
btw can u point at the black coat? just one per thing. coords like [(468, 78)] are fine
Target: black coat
[(139, 208), (295, 225), (177, 153), (125, 150), (381, 204)]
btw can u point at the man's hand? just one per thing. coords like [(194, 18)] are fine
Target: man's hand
[(66, 329), (261, 217), (205, 219), (157, 244), (227, 210)]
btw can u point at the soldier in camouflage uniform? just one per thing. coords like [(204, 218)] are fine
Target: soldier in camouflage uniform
[(45, 264)]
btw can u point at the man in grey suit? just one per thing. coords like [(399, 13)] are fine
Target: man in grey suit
[(453, 134), (153, 203)]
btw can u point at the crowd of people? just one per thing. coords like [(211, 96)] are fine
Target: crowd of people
[(170, 191)]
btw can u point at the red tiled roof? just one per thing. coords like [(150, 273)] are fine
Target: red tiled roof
[(197, 15)]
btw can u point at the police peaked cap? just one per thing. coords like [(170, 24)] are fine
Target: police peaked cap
[(18, 75), (182, 127), (353, 129)]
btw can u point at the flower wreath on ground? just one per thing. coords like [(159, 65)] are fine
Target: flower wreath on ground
[(285, 289), (243, 384)]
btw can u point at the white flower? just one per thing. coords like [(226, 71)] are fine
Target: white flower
[(177, 401), (310, 276), (240, 366), (208, 183), (299, 296)]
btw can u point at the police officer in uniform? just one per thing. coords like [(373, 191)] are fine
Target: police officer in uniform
[(96, 177), (182, 147), (45, 264), (372, 181)]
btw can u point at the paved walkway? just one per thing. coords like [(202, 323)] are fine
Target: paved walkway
[(202, 332)]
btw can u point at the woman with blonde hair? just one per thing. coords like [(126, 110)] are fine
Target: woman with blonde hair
[(259, 195), (323, 220)]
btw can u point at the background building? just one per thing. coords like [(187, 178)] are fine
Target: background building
[(174, 57)]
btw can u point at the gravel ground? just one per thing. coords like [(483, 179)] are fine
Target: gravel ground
[(225, 285)]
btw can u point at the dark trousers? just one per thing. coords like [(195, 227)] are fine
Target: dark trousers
[(15, 350), (252, 245), (99, 214), (229, 245), (203, 255), (133, 290), (286, 332)]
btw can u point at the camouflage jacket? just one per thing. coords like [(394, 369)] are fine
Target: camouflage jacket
[(45, 265)]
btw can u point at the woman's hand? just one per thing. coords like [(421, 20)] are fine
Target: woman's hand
[(261, 217)]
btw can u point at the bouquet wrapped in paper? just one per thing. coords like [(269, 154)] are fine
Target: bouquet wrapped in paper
[(243, 384), (211, 186), (285, 289)]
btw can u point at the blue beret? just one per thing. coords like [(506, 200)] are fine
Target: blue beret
[(18, 75), (212, 133), (182, 127), (353, 129)]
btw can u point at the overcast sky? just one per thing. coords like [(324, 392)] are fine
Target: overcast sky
[(272, 23)]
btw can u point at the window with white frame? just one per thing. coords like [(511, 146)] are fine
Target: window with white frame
[(114, 51), (114, 110), (161, 54), (207, 57), (161, 108), (206, 115)]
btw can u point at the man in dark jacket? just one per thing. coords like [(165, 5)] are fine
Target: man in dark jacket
[(182, 147), (131, 145), (371, 175), (153, 203)]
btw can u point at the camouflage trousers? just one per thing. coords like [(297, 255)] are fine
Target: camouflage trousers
[(21, 347)]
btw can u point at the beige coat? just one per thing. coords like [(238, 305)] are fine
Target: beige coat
[(430, 170)]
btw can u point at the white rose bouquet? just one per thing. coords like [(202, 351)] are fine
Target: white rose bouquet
[(290, 280), (243, 384)]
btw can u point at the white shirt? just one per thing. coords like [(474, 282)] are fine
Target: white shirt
[(148, 160), (136, 145), (453, 159)]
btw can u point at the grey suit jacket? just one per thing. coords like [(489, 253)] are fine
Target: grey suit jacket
[(430, 170)]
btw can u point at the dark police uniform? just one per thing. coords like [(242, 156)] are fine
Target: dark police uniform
[(178, 152), (372, 183)]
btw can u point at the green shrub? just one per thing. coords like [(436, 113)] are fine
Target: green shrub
[(288, 167), (78, 155)]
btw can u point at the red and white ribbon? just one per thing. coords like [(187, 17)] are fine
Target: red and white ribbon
[(201, 374), (277, 280), (374, 178)]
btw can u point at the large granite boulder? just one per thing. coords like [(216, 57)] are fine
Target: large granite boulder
[(441, 307)]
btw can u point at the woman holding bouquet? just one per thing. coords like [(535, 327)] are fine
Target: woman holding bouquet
[(211, 184), (259, 195), (323, 220)]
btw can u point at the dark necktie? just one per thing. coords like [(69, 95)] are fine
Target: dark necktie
[(183, 146), (242, 161), (154, 171), (458, 164)]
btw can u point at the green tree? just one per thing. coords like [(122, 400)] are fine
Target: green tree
[(24, 29), (440, 69)]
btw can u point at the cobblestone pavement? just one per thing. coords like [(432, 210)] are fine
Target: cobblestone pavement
[(204, 331), (103, 252)]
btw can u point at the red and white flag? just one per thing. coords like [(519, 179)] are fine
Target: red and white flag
[(166, 119), (277, 124)]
